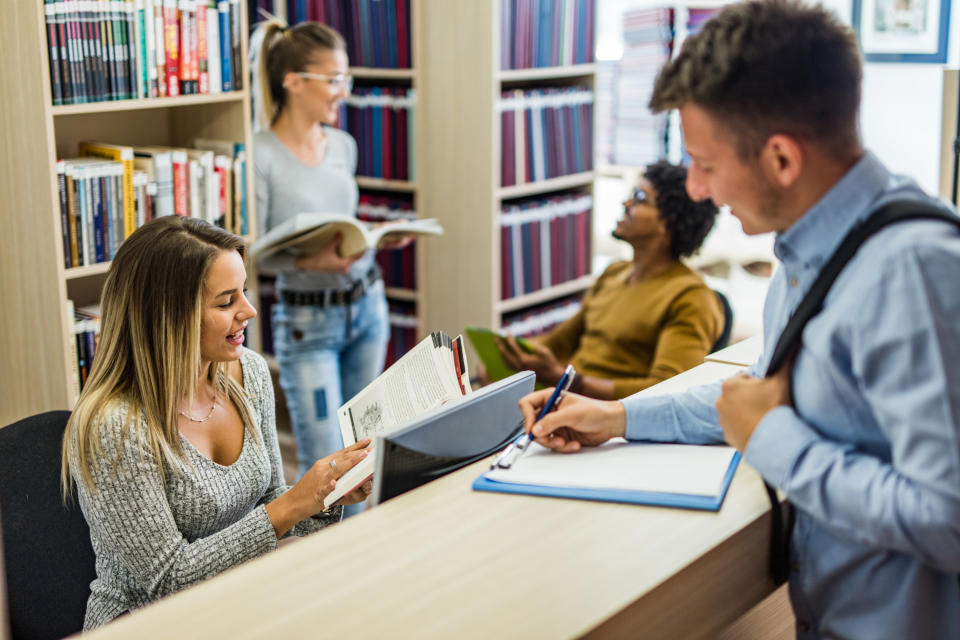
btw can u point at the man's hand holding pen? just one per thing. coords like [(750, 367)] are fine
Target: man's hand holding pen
[(576, 421)]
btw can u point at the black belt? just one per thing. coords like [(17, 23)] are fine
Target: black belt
[(332, 297)]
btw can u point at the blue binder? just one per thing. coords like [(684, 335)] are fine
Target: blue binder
[(658, 499)]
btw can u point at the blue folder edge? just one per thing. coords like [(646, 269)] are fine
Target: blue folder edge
[(657, 499)]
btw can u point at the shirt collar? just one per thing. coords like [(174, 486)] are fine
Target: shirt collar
[(812, 239)]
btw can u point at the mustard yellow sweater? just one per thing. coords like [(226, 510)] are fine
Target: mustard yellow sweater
[(640, 333)]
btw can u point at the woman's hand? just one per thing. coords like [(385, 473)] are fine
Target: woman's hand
[(305, 498), (392, 241), (541, 361), (328, 259)]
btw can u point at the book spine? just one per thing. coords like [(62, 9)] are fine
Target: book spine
[(64, 211), (73, 218), (202, 53), (213, 47), (53, 50), (171, 45), (235, 63), (226, 54), (181, 200), (159, 43), (149, 49)]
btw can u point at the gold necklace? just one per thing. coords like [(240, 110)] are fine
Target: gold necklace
[(205, 418)]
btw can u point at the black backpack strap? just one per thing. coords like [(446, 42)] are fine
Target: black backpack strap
[(812, 303)]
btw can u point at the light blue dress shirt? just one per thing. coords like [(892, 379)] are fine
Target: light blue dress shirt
[(870, 455)]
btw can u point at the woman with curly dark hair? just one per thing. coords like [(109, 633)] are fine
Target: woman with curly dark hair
[(644, 320)]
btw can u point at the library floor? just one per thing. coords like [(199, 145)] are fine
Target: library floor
[(772, 619)]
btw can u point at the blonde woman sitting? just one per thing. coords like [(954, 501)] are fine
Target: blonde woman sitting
[(173, 445)]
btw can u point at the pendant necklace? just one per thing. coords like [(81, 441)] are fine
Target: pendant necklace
[(205, 418)]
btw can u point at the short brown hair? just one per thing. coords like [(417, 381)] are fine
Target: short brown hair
[(763, 67)]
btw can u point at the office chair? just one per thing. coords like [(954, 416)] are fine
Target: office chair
[(724, 338), (47, 552)]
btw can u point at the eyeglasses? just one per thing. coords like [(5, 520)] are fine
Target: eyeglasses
[(338, 82), (639, 197)]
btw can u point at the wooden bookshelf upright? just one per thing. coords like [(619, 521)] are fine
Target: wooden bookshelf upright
[(459, 159), (37, 344)]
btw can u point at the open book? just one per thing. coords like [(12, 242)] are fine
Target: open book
[(308, 233), (430, 374), (484, 342)]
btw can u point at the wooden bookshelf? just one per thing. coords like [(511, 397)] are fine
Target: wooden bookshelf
[(460, 162), (37, 343), (385, 185), (148, 103), (546, 73), (546, 295)]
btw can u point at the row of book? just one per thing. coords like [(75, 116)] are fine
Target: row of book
[(111, 190), (538, 319), (638, 136), (545, 33), (128, 49), (86, 337), (381, 120), (377, 31), (399, 266), (403, 329), (545, 133), (544, 242)]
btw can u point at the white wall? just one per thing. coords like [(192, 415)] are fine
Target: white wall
[(902, 108)]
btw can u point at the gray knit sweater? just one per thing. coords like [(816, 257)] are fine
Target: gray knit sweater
[(151, 539)]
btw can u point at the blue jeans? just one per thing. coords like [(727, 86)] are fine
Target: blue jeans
[(321, 366)]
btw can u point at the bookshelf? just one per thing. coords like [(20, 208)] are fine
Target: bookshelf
[(460, 161), (37, 344)]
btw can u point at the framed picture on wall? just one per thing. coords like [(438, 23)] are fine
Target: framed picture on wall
[(902, 30)]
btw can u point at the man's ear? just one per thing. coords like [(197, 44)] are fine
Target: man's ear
[(782, 159)]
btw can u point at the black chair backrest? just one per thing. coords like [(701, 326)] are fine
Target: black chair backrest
[(724, 338), (47, 552)]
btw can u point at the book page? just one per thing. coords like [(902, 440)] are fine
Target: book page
[(412, 385), (632, 466)]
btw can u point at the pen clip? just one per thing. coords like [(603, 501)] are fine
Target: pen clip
[(516, 448)]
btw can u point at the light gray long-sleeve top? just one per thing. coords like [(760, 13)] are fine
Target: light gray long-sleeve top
[(152, 539), (285, 186)]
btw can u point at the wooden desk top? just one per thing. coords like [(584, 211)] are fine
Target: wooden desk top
[(444, 561), (743, 353)]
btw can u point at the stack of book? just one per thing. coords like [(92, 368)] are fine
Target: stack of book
[(381, 120), (696, 18), (403, 329), (377, 31), (533, 321), (111, 190), (641, 137), (544, 242), (545, 133), (398, 265), (127, 49), (545, 33)]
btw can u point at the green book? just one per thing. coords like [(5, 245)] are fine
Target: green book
[(485, 344)]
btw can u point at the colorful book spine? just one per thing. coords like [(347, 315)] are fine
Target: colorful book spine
[(544, 242), (546, 33)]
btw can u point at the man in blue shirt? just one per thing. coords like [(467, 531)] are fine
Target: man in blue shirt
[(865, 441)]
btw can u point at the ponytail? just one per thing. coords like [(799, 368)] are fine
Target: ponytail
[(281, 49)]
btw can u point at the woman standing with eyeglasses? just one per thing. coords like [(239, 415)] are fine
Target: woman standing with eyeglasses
[(330, 325)]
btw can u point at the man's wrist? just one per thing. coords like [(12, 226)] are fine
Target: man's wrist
[(576, 385)]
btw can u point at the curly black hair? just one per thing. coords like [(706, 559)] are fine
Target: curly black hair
[(688, 222)]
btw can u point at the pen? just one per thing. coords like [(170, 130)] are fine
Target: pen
[(506, 459)]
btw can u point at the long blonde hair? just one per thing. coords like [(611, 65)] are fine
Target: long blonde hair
[(285, 49), (149, 350)]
